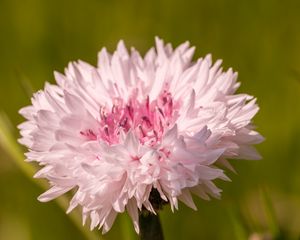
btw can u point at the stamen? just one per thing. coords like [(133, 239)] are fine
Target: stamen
[(89, 134), (148, 120), (106, 131)]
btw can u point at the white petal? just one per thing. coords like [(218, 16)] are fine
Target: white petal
[(52, 193), (186, 197), (133, 213)]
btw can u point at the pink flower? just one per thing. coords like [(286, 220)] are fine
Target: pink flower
[(134, 125)]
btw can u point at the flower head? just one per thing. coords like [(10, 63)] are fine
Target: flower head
[(134, 126)]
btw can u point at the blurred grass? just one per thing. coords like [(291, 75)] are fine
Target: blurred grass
[(259, 38)]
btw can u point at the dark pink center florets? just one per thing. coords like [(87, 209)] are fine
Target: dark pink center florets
[(148, 120)]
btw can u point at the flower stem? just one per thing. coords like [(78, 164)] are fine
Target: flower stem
[(150, 227)]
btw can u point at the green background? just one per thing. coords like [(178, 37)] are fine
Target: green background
[(258, 38)]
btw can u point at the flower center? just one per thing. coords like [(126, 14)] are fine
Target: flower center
[(148, 120)]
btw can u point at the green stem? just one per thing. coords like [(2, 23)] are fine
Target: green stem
[(150, 227)]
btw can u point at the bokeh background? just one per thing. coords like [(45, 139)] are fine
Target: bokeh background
[(258, 38)]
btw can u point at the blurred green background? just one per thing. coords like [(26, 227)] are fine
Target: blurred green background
[(258, 38)]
